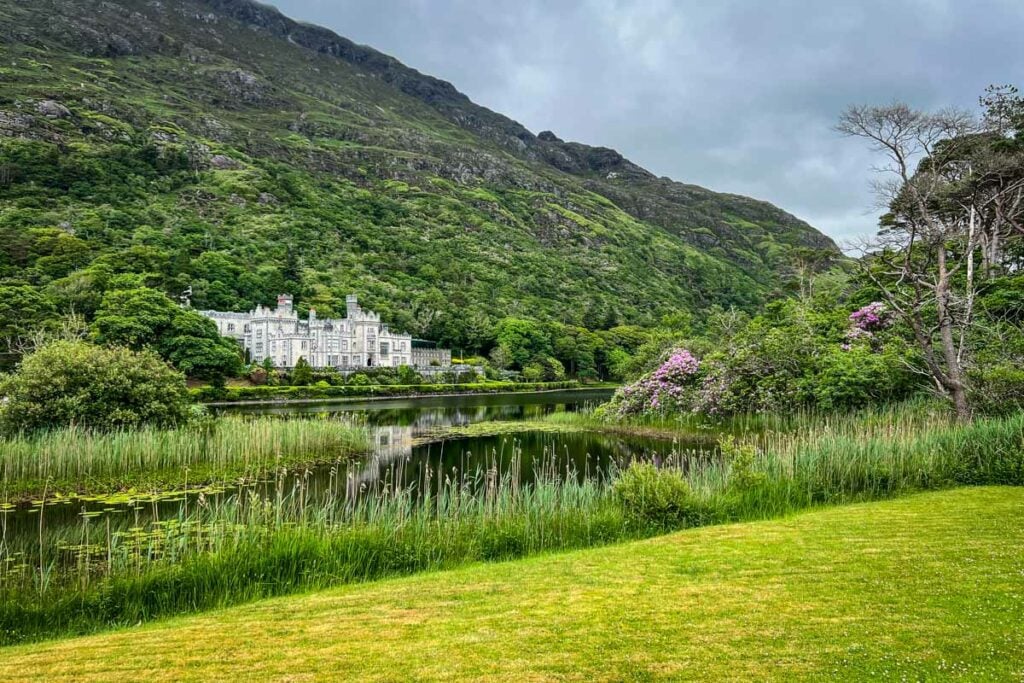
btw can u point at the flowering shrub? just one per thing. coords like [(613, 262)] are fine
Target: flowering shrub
[(663, 389), (867, 320)]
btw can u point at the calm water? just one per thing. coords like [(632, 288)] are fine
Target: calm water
[(406, 453), (439, 411)]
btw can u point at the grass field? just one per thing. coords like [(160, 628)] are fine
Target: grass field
[(928, 586)]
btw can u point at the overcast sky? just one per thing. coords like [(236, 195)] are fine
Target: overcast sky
[(735, 95)]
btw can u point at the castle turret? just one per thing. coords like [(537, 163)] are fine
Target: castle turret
[(351, 305)]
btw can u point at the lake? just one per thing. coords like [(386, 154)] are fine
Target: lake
[(408, 453)]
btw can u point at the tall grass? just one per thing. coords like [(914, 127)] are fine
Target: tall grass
[(254, 545), (876, 455), (225, 447), (910, 413), (277, 539)]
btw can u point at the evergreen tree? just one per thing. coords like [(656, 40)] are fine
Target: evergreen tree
[(302, 375)]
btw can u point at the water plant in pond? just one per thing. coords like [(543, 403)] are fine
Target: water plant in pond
[(277, 539)]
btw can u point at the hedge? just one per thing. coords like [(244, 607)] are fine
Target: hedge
[(212, 394)]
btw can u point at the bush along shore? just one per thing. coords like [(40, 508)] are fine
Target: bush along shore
[(214, 394), (266, 540)]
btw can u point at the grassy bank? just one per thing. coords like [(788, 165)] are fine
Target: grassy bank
[(260, 544), (231, 394), (911, 418), (924, 588), (77, 460)]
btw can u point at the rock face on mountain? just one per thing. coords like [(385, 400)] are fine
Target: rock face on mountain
[(171, 123)]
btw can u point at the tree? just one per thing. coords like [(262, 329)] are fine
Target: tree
[(921, 260), (23, 309), (302, 374), (146, 318), (75, 383), (522, 340)]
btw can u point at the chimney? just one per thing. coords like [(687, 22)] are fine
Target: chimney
[(351, 305), (284, 303)]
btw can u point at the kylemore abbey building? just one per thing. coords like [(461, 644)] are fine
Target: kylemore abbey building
[(359, 340)]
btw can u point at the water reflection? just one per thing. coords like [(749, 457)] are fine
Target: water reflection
[(440, 411), (401, 458)]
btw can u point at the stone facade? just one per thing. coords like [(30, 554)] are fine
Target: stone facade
[(427, 355), (359, 340)]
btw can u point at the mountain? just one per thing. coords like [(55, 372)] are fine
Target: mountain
[(220, 145)]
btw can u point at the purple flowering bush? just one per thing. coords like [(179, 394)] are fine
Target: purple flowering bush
[(865, 322), (665, 389), (871, 318), (787, 359)]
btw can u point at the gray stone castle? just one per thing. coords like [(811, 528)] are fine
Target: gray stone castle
[(359, 340)]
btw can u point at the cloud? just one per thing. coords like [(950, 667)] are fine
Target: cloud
[(736, 95)]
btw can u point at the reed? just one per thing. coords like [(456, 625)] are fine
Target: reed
[(74, 458), (280, 535)]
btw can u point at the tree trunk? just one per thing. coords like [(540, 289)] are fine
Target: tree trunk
[(954, 376)]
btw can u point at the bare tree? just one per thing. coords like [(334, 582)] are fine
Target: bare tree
[(924, 242), (70, 327)]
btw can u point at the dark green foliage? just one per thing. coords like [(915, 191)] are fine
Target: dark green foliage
[(75, 383), (23, 309), (1003, 299), (360, 385), (657, 498), (797, 356), (302, 374), (143, 317), (406, 375), (997, 389), (522, 341)]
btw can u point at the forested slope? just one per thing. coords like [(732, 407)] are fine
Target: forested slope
[(219, 145)]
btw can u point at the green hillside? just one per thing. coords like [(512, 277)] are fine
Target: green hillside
[(219, 145)]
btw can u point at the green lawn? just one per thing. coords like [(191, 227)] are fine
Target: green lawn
[(929, 586)]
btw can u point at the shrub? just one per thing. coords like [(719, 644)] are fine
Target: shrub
[(860, 376), (258, 376), (76, 383), (359, 380), (408, 375), (659, 498), (533, 372), (742, 459), (302, 374), (998, 390), (667, 388)]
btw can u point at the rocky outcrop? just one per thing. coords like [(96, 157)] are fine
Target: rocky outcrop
[(14, 123), (53, 110), (222, 162)]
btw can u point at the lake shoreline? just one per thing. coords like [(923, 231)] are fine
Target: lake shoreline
[(390, 397)]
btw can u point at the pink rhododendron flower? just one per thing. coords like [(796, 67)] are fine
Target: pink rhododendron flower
[(662, 388)]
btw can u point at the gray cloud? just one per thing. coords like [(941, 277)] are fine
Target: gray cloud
[(736, 95)]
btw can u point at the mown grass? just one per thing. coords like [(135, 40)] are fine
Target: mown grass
[(254, 545), (929, 587), (78, 460)]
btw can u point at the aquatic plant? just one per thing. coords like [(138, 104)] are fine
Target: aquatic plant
[(275, 537)]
